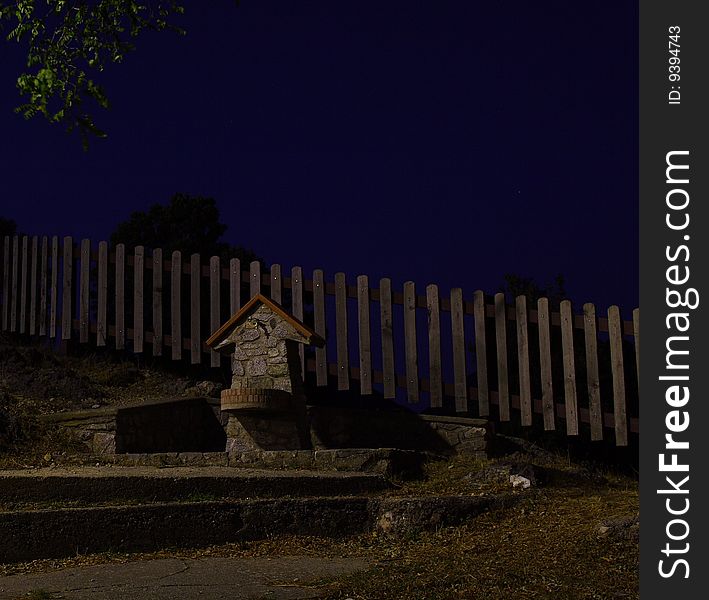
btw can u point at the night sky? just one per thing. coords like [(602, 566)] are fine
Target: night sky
[(447, 142)]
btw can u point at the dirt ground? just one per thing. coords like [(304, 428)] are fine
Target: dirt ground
[(574, 534)]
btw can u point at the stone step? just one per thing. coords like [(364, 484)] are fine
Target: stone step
[(33, 534), (404, 464), (115, 484)]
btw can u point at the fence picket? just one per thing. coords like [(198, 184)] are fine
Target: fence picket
[(53, 288), (320, 327), (636, 336), (120, 296), (214, 305), (33, 286), (254, 278), (545, 363), (67, 271), (434, 346), (387, 325), (234, 285), (297, 301), (43, 287), (15, 275), (84, 264), (195, 309), (501, 342), (176, 305), (157, 301), (138, 286), (593, 382), (23, 286), (30, 303), (365, 343), (481, 353), (343, 362), (102, 293), (615, 333), (459, 370), (276, 284), (410, 348), (525, 383), (567, 345), (6, 284)]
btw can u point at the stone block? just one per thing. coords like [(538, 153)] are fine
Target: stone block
[(277, 360), (103, 443), (474, 432), (237, 368), (278, 370), (256, 366)]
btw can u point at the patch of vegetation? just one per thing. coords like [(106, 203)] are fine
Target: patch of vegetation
[(574, 535), (37, 595)]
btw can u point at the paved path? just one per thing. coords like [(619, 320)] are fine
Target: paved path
[(281, 578)]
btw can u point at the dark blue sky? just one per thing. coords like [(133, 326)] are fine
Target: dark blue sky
[(446, 142)]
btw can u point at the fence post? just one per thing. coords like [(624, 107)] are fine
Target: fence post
[(157, 301), (176, 305), (525, 384), (43, 287), (214, 305), (387, 325), (23, 286), (567, 343), (234, 285), (84, 264), (343, 362), (434, 346), (15, 275), (615, 332), (276, 293), (459, 370), (481, 353), (594, 386), (33, 286), (102, 292), (501, 342), (365, 344), (297, 300), (67, 268), (6, 283), (320, 328), (138, 275), (195, 308), (410, 343), (120, 296), (53, 293), (543, 326), (255, 278), (636, 335)]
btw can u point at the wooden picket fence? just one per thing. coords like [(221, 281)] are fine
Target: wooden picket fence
[(62, 290)]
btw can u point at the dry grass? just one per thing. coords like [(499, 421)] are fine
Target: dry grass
[(547, 546)]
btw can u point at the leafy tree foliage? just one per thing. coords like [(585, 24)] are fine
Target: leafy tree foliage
[(188, 223), (518, 285), (7, 227), (67, 40)]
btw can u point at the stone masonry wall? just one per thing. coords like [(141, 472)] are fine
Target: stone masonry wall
[(337, 427), (184, 425), (263, 348), (197, 425)]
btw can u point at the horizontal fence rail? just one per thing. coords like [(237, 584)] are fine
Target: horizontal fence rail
[(468, 353)]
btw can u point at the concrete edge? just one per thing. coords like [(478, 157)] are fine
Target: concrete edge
[(29, 535)]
